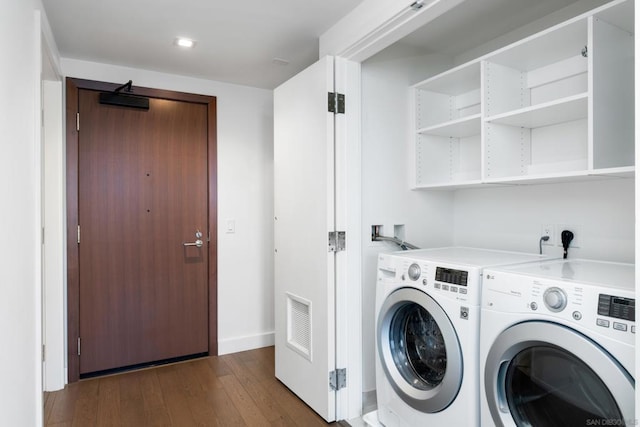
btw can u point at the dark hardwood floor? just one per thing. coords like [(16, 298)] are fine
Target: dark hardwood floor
[(233, 390)]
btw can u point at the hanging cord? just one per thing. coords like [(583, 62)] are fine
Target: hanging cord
[(543, 239), (567, 237)]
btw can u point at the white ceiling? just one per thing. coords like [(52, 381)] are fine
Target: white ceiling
[(475, 22), (236, 40)]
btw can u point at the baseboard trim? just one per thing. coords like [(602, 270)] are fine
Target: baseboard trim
[(369, 401), (250, 342)]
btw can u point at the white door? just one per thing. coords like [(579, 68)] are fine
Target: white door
[(304, 202)]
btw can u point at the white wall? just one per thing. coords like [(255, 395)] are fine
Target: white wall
[(54, 265), (637, 184), (511, 217), (20, 328), (245, 195), (386, 197)]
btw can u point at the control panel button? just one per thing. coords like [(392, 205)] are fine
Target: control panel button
[(436, 285), (453, 289), (424, 282), (555, 299), (602, 322), (577, 315), (633, 329), (463, 291), (620, 326), (534, 306), (414, 272), (445, 287)]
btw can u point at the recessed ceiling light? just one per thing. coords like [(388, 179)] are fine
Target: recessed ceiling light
[(184, 42)]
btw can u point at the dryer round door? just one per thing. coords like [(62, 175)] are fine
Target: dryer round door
[(419, 350), (545, 374)]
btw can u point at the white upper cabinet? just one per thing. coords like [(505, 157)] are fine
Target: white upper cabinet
[(554, 106)]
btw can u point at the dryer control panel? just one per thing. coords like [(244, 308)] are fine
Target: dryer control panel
[(597, 308)]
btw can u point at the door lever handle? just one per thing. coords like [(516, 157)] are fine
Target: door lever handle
[(197, 243)]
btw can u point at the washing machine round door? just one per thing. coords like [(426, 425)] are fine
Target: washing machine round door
[(546, 374), (419, 350)]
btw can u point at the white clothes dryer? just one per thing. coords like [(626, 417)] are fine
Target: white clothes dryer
[(557, 344), (427, 328)]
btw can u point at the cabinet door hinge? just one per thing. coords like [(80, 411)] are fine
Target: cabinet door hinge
[(338, 379), (336, 102), (78, 122), (44, 353), (337, 241)]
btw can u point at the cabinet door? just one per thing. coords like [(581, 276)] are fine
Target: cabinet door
[(304, 201)]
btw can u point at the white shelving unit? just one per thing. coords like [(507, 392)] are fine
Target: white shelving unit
[(555, 106), (449, 120)]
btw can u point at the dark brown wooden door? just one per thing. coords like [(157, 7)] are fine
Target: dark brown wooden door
[(142, 194)]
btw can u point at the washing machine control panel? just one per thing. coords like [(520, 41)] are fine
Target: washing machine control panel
[(452, 276), (454, 283)]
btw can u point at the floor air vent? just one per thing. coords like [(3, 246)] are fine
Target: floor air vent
[(299, 325)]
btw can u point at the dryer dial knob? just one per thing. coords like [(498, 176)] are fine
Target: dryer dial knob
[(414, 272), (555, 299)]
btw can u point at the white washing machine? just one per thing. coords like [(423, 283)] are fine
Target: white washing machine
[(427, 328), (557, 344)]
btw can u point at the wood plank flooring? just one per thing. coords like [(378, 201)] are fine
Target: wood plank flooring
[(232, 390)]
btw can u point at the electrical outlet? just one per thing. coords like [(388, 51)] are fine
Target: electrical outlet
[(549, 230), (577, 238)]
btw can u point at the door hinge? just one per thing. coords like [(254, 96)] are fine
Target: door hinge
[(337, 241), (336, 102), (78, 122), (78, 233), (42, 237), (338, 379), (78, 346), (44, 354)]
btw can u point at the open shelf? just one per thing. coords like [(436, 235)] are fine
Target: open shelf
[(547, 114), (555, 106), (459, 128)]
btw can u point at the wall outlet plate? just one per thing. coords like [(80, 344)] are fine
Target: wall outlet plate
[(548, 230)]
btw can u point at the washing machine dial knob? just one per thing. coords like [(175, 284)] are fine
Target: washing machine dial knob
[(555, 299), (414, 272)]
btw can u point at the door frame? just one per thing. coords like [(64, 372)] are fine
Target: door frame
[(73, 85)]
